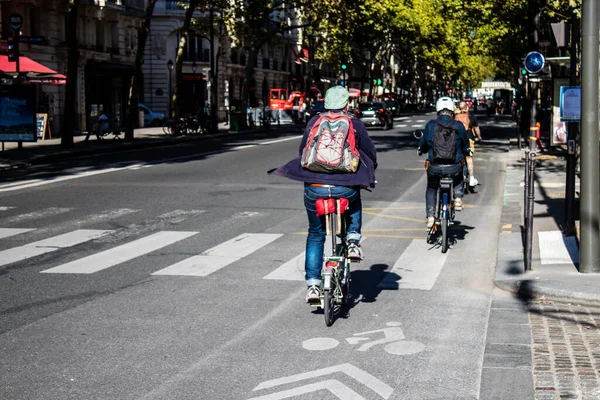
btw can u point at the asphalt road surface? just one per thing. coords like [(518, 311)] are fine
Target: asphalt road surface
[(177, 273)]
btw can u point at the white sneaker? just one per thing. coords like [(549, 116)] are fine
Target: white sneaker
[(472, 181), (430, 222), (355, 251), (458, 205), (313, 294)]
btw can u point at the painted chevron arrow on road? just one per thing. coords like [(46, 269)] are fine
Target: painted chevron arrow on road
[(334, 386)]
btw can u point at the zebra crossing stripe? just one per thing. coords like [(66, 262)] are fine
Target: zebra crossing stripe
[(411, 271), (49, 245), (120, 254), (5, 208), (7, 232), (220, 256), (293, 270)]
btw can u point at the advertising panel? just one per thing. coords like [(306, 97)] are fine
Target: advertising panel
[(18, 104)]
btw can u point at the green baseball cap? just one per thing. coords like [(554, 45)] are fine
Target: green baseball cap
[(336, 98)]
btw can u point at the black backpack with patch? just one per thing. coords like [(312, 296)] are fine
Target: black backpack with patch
[(444, 144)]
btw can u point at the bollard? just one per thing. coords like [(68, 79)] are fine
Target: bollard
[(525, 188), (529, 206)]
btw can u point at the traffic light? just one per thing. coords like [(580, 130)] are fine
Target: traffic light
[(13, 49), (379, 81), (344, 66), (523, 71)]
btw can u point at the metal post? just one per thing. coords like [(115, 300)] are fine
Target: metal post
[(590, 207), (572, 128), (170, 95), (530, 203), (213, 74), (525, 191)]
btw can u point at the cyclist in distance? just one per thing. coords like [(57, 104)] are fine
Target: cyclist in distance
[(474, 134), (450, 165), (332, 185)]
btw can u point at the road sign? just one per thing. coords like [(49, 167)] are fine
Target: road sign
[(534, 62), (16, 21)]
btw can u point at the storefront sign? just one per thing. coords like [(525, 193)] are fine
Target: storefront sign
[(17, 113)]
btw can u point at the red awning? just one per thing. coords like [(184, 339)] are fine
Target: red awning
[(26, 65)]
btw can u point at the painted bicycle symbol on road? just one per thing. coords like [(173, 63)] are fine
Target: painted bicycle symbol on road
[(393, 338)]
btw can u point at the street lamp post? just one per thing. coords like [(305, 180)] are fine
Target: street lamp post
[(170, 68), (194, 67)]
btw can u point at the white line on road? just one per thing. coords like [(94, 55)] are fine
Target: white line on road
[(5, 208), (120, 254), (293, 270), (411, 272), (220, 256), (336, 387), (417, 126), (280, 140), (401, 126), (49, 245), (8, 232)]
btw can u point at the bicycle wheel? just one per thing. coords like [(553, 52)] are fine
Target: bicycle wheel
[(167, 127), (444, 223), (328, 306)]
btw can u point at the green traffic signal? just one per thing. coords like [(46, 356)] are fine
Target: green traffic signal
[(379, 81), (523, 71), (344, 66)]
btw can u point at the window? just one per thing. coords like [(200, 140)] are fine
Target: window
[(100, 36), (114, 33), (197, 49), (35, 25)]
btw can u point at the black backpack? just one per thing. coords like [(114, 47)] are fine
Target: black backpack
[(444, 144)]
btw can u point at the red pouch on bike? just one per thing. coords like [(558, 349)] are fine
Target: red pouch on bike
[(325, 206)]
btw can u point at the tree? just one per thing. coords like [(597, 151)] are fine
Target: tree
[(70, 109), (184, 33), (135, 89)]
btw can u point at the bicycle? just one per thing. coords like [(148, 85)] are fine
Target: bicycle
[(167, 127), (335, 283), (444, 212), (444, 208)]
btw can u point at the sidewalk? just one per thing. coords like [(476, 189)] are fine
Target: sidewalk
[(46, 151), (555, 257)]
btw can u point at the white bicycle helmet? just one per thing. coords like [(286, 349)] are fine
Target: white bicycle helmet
[(444, 103)]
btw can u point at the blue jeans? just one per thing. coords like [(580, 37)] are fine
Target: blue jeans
[(434, 174), (315, 241)]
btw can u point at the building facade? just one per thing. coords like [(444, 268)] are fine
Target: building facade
[(107, 38)]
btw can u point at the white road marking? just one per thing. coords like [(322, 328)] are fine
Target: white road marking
[(411, 271), (5, 208), (359, 375), (421, 120), (41, 182), (220, 256), (120, 254), (401, 126), (337, 388), (281, 140), (417, 126), (49, 245), (293, 270), (555, 248), (7, 232), (46, 212)]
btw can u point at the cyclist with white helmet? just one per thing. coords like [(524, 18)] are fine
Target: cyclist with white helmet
[(448, 166)]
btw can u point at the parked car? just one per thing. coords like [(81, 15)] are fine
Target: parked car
[(151, 118), (317, 108), (375, 114)]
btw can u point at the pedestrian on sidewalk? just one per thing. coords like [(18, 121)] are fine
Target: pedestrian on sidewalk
[(100, 127)]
